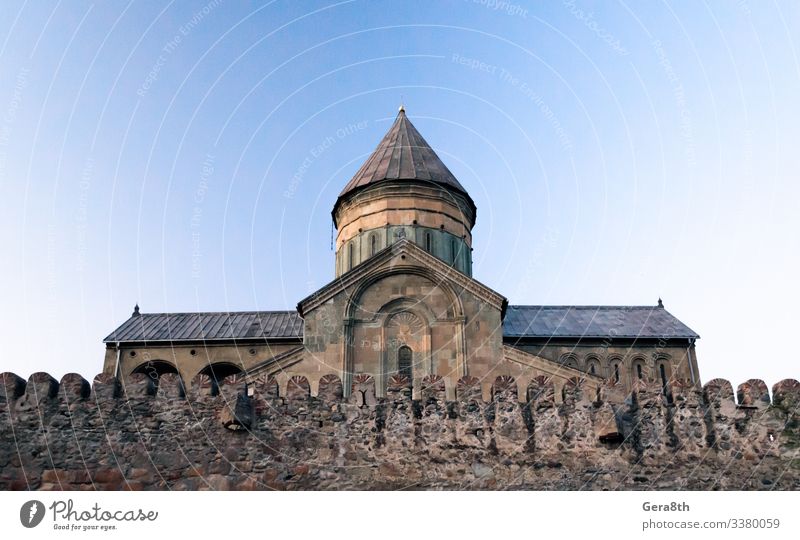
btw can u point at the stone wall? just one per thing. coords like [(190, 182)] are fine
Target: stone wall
[(73, 435)]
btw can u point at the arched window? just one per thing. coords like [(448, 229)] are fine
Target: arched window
[(569, 360), (404, 356), (616, 372), (155, 369), (454, 249), (639, 371), (220, 370), (428, 242), (593, 365), (373, 244), (663, 371), (350, 256)]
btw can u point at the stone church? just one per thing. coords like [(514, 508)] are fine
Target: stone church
[(403, 300)]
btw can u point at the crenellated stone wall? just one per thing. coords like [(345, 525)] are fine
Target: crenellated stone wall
[(146, 434)]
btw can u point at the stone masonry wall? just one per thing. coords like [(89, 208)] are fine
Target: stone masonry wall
[(73, 435)]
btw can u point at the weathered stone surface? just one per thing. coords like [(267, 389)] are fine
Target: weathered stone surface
[(471, 428), (202, 386), (72, 440), (11, 387), (578, 434), (330, 389), (547, 426), (686, 428), (509, 428), (432, 426), (721, 417), (73, 388), (138, 385), (170, 386), (650, 438), (753, 393), (362, 393), (399, 428)]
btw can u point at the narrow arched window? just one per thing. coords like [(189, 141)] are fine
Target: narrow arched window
[(592, 369), (350, 256), (639, 371), (616, 372), (665, 383), (404, 361), (373, 248), (454, 249), (428, 242)]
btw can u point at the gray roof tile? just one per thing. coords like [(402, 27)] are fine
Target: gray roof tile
[(209, 326), (403, 154), (593, 321), (520, 322)]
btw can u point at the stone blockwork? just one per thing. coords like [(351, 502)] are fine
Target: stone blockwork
[(241, 434)]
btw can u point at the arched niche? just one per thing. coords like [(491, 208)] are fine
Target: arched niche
[(155, 368), (639, 369), (594, 366), (377, 328), (219, 370), (406, 338)]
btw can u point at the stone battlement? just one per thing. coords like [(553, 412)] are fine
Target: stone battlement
[(246, 434)]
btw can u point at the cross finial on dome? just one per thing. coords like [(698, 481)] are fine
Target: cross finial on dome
[(660, 303), (135, 310)]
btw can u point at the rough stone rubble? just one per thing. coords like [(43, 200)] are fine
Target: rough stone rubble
[(148, 434)]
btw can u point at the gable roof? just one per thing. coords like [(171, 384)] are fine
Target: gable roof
[(594, 321), (242, 325), (402, 154), (402, 248)]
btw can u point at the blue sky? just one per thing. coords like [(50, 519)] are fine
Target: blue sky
[(186, 156)]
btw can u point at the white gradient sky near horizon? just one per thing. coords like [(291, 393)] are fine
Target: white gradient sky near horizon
[(616, 151)]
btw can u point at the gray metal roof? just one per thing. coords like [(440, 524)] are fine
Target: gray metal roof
[(520, 322), (593, 321), (209, 326), (403, 154)]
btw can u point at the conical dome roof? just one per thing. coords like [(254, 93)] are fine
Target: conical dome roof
[(403, 154)]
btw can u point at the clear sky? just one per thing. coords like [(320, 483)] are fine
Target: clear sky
[(186, 156)]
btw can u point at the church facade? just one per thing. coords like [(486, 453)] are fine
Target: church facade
[(403, 301)]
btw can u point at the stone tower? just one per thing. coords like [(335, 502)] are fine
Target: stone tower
[(404, 190)]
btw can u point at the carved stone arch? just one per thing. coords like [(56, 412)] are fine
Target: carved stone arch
[(155, 368), (639, 369), (399, 305), (593, 365), (298, 388), (570, 359), (330, 389), (663, 374), (616, 369), (368, 282), (217, 371), (404, 332), (454, 315)]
